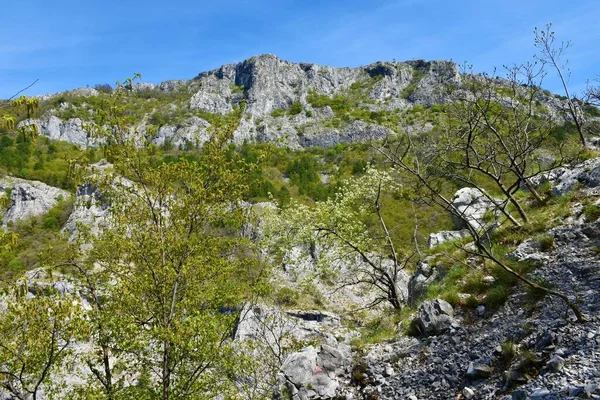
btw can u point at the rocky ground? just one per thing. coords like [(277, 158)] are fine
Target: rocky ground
[(556, 357)]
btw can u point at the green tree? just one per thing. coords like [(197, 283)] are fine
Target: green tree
[(35, 337), (178, 266), (355, 244)]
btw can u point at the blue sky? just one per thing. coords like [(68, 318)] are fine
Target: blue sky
[(69, 44)]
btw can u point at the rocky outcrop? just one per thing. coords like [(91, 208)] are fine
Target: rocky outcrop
[(471, 206), (434, 317), (437, 238), (71, 130), (423, 276), (89, 207), (88, 210), (193, 130), (28, 198), (311, 373), (586, 174), (266, 83)]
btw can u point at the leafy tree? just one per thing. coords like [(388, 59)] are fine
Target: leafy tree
[(177, 263), (35, 335), (354, 242)]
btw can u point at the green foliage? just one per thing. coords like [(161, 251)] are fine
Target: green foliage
[(278, 112), (286, 297), (546, 243), (39, 238), (35, 334), (164, 253), (417, 75), (591, 212), (237, 89), (44, 160), (496, 296), (296, 108)]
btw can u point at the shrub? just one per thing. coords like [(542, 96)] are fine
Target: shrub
[(237, 89), (278, 112), (308, 113), (295, 108), (286, 297), (104, 88), (496, 296), (591, 212), (546, 243)]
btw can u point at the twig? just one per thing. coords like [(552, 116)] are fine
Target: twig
[(20, 91)]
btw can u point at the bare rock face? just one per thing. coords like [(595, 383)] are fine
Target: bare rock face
[(471, 205), (310, 373), (29, 198), (586, 174), (266, 83), (71, 130), (88, 210), (194, 130)]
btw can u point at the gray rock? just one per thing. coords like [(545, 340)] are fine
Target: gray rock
[(89, 210), (423, 276), (586, 174), (478, 371), (435, 239), (29, 198), (434, 317), (468, 393), (556, 363), (194, 130), (305, 378), (471, 206), (539, 393), (72, 130)]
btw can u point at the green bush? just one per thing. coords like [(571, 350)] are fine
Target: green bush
[(286, 297), (278, 112), (546, 243), (295, 108), (591, 212), (496, 296)]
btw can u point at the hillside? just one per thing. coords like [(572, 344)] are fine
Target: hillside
[(277, 230), (293, 104)]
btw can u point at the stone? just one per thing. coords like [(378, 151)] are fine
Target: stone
[(71, 130), (539, 393), (388, 371), (470, 208), (478, 371), (434, 317), (29, 198), (468, 393), (435, 239), (89, 210), (556, 363), (301, 372), (519, 394), (586, 174), (423, 276)]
